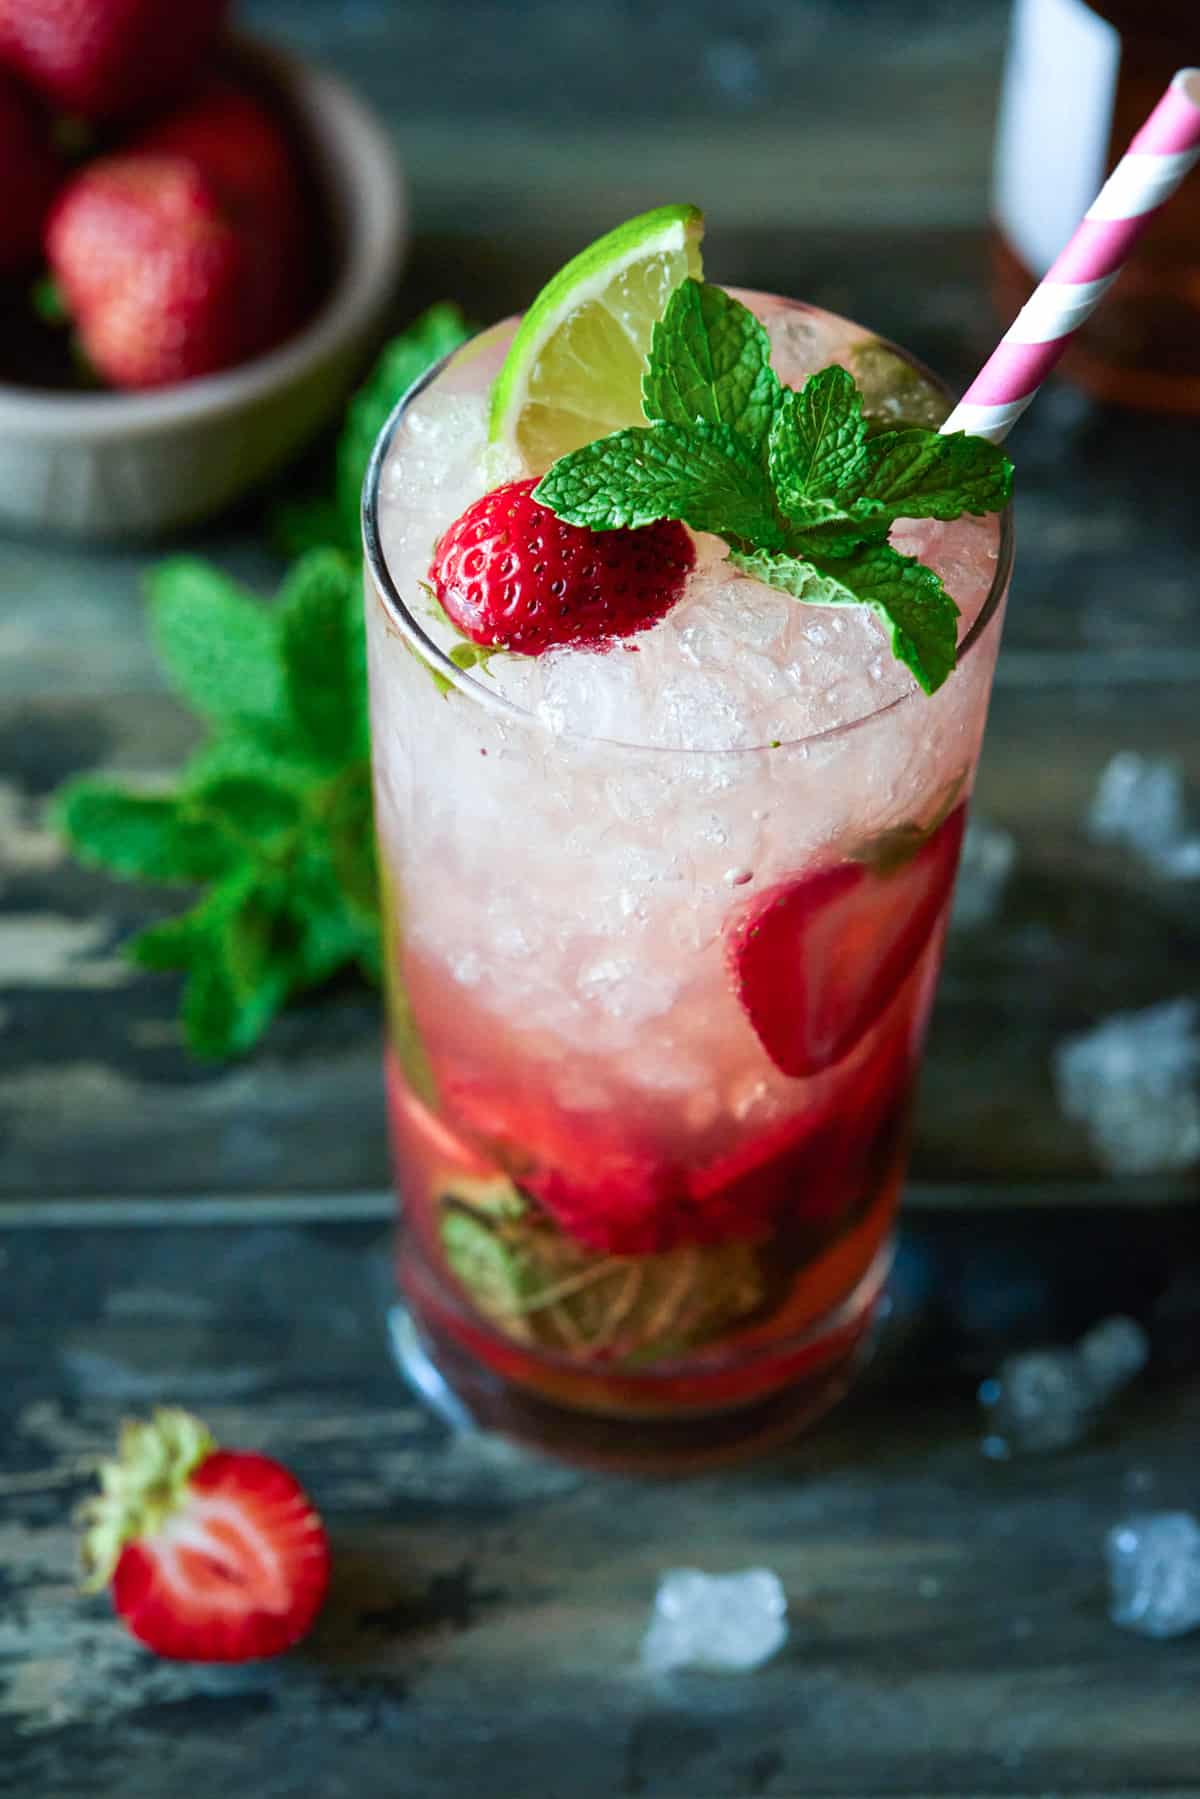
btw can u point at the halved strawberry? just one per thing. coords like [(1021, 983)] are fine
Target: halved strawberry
[(817, 960), (213, 1555)]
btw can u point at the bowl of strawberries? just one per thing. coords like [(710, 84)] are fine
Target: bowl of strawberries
[(199, 237)]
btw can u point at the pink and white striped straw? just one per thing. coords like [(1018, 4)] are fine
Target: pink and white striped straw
[(1163, 151)]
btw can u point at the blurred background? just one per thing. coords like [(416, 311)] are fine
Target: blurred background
[(823, 141)]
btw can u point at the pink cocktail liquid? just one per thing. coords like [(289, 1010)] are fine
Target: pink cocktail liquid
[(663, 930)]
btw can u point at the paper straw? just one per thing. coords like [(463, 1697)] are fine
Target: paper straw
[(1163, 151)]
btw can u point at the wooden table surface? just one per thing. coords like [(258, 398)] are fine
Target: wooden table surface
[(948, 1613), (218, 1237)]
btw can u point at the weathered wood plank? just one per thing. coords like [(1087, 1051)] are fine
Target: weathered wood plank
[(570, 117), (118, 1107), (949, 1631)]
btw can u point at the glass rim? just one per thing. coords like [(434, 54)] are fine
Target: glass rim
[(436, 659)]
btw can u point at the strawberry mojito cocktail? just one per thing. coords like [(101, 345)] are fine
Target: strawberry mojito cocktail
[(681, 621)]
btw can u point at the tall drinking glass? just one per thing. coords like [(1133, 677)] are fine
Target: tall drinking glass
[(663, 926)]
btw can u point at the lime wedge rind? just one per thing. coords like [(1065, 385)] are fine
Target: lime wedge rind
[(573, 369)]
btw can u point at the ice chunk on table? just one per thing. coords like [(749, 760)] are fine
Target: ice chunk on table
[(1046, 1399), (1154, 1574), (1037, 1402), (1112, 1355), (1134, 1082), (1140, 802), (988, 858), (726, 1623)]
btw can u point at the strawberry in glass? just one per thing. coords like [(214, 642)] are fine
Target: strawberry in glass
[(673, 736)]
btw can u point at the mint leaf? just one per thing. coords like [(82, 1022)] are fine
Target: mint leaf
[(323, 647), (710, 362), (328, 929), (223, 1017), (438, 331), (494, 1273), (149, 837), (239, 954), (269, 755), (471, 655), (837, 535), (217, 642), (914, 608), (252, 808), (817, 453), (705, 475), (170, 944), (240, 971), (920, 474)]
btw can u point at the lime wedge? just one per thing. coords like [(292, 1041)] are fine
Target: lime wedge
[(574, 369)]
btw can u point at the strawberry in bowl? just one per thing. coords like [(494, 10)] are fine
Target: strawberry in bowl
[(108, 59), (186, 252), (219, 264)]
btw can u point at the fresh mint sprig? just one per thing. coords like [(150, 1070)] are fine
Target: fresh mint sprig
[(273, 813), (792, 481), (271, 818), (710, 361)]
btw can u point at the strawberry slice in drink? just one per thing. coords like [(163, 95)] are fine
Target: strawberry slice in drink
[(602, 1179), (811, 1167), (597, 1175), (817, 960)]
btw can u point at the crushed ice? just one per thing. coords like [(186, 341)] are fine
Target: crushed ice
[(1134, 1083), (1154, 1574), (1046, 1399), (1140, 803), (725, 1623)]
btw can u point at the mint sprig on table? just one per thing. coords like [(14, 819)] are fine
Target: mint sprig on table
[(271, 818), (792, 481)]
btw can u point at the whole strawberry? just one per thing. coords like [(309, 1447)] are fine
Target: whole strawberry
[(30, 173), (106, 59), (236, 142), (510, 574), (150, 270), (189, 252), (212, 1555)]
